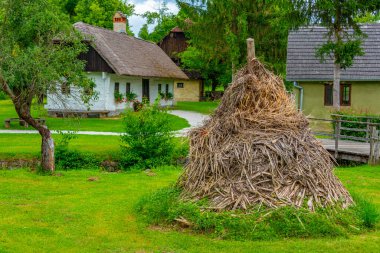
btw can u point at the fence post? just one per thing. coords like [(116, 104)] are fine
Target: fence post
[(337, 136), (368, 129), (376, 152), (372, 135)]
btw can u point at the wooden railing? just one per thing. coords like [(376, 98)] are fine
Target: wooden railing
[(371, 134)]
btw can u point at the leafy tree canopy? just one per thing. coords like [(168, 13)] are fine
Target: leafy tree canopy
[(31, 64), (164, 22), (96, 12), (219, 30)]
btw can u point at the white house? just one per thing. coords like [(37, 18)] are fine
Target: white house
[(118, 64)]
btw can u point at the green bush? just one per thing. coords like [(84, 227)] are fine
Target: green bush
[(355, 116), (67, 159), (3, 96), (165, 207), (148, 141)]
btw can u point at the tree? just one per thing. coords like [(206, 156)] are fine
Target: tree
[(344, 36), (30, 63), (219, 29), (213, 71), (96, 12), (164, 22)]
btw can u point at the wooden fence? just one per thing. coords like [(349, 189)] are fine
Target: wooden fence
[(371, 134)]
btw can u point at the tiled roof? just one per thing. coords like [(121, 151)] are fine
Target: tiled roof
[(302, 65)]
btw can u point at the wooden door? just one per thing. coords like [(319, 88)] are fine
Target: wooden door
[(145, 89)]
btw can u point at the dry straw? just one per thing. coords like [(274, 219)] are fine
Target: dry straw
[(257, 149)]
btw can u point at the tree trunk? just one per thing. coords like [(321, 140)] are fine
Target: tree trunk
[(336, 87), (47, 145), (47, 151), (22, 105)]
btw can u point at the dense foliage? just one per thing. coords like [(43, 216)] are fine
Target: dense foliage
[(165, 208), (96, 12), (231, 23)]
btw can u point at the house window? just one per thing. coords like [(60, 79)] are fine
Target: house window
[(117, 88), (65, 88), (179, 85), (128, 88), (167, 89), (159, 88), (328, 94), (345, 94)]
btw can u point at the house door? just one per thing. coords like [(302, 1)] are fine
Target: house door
[(145, 89)]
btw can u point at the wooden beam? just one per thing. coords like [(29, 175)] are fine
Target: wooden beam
[(250, 50)]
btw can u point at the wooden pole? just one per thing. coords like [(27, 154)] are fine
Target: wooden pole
[(250, 50), (371, 159), (337, 136)]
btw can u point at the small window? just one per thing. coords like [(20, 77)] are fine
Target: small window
[(117, 88), (328, 94), (65, 88), (128, 88), (179, 85), (159, 88), (167, 89), (345, 94)]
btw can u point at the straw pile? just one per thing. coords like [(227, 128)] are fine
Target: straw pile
[(258, 149)]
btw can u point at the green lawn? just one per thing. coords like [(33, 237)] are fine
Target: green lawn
[(201, 107), (25, 146), (85, 124), (70, 214)]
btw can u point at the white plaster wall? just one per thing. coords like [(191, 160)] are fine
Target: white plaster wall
[(72, 101), (153, 91), (105, 87), (136, 87)]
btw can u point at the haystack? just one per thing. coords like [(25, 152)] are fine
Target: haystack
[(257, 149)]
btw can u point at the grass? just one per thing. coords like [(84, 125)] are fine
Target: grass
[(70, 214), (164, 207), (114, 124), (25, 146), (201, 107)]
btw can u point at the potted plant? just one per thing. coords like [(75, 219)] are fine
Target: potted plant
[(118, 97), (166, 96), (130, 97)]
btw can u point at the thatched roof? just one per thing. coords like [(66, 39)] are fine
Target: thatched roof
[(302, 65), (128, 55)]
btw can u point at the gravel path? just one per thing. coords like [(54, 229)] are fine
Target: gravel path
[(194, 119)]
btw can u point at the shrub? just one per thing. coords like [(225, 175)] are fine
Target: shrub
[(3, 96), (164, 207), (148, 141), (137, 106), (67, 159)]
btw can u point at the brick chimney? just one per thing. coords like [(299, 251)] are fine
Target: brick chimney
[(119, 22)]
